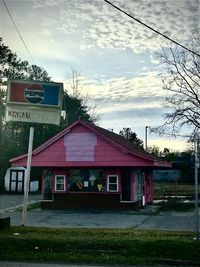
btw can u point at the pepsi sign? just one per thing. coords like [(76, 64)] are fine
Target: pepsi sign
[(34, 93), (31, 101)]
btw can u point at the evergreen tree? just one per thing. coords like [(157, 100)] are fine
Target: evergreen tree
[(131, 136)]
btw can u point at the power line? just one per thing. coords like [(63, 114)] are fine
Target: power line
[(154, 130), (18, 31), (170, 135), (144, 24)]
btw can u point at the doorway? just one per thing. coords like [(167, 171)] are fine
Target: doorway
[(48, 185), (126, 185), (138, 185), (16, 181)]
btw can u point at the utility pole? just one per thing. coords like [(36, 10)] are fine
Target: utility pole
[(196, 185), (146, 132)]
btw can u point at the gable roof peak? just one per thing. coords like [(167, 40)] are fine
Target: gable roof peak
[(113, 138)]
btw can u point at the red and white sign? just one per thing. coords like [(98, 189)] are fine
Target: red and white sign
[(37, 102)]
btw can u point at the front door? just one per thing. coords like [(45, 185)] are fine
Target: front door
[(48, 185), (16, 181), (137, 189), (126, 185)]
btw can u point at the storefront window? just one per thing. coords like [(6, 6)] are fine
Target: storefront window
[(60, 183), (86, 181), (113, 183)]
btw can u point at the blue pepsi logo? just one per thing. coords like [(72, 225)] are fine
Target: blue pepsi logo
[(34, 93)]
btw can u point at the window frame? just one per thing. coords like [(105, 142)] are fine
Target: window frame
[(108, 183), (64, 179)]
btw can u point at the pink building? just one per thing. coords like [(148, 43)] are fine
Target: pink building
[(85, 166)]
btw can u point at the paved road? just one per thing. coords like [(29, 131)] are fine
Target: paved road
[(165, 221), (143, 219), (26, 264), (20, 264)]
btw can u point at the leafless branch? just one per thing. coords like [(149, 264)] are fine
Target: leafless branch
[(183, 85)]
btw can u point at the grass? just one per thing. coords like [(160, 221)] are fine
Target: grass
[(32, 206), (166, 189), (172, 195), (172, 204), (100, 246)]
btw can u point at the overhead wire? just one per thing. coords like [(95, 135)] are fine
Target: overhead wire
[(16, 28), (172, 135), (163, 35), (149, 27)]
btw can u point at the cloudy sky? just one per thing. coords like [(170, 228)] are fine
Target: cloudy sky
[(115, 55)]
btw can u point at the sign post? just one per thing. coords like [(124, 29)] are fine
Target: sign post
[(27, 176), (196, 186), (33, 102)]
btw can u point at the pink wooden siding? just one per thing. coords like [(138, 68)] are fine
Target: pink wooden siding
[(81, 147)]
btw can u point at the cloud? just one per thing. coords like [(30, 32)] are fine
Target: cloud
[(123, 101), (95, 26), (113, 29), (136, 113), (46, 3), (99, 25), (149, 84), (46, 32)]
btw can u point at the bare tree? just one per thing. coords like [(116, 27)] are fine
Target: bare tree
[(77, 94), (74, 81), (183, 85)]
